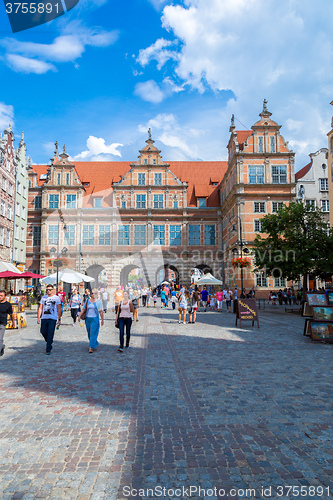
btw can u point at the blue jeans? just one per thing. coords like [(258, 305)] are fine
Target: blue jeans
[(166, 301), (122, 323), (47, 327), (92, 326)]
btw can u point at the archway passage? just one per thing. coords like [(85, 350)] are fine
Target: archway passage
[(96, 271), (204, 268), (128, 274), (167, 273)]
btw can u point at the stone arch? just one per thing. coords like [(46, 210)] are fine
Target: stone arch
[(166, 274), (125, 272), (94, 271), (205, 268)]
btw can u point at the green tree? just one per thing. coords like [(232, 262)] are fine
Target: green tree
[(296, 242)]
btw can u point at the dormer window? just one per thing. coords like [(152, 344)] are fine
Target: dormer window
[(260, 144), (154, 161), (58, 179), (141, 179), (145, 161), (272, 144), (97, 202), (201, 202)]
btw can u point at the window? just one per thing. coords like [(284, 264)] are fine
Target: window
[(259, 207), (257, 225), (88, 235), (69, 235), (272, 144), (67, 179), (279, 174), (139, 235), (175, 204), (53, 201), (22, 234), (140, 201), (10, 188), (36, 235), (158, 200), (201, 202), (159, 235), (52, 238), (3, 208), (70, 200), (154, 161), (145, 161), (1, 235), (23, 213), (325, 205), (310, 204), (276, 206), (323, 184), (123, 235), (123, 204), (9, 212), (176, 235), (16, 232), (58, 179), (158, 179), (18, 210), (21, 254), (141, 179), (261, 280), (24, 192), (280, 282), (15, 254), (210, 234), (256, 174), (38, 202), (260, 144), (97, 202), (104, 237), (7, 237), (3, 185), (194, 234), (19, 188)]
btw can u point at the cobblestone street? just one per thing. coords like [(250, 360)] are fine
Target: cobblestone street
[(205, 405)]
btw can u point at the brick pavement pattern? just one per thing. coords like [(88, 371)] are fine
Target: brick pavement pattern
[(205, 405)]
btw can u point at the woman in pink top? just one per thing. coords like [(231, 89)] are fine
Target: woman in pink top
[(125, 319), (219, 298)]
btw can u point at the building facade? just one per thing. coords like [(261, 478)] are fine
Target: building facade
[(7, 199), (330, 169), (156, 216), (20, 206)]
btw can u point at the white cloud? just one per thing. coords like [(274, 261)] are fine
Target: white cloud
[(98, 150), (22, 64), (149, 91), (158, 4), (6, 115), (257, 49)]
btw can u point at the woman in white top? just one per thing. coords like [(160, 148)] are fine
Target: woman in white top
[(183, 301), (94, 308), (124, 318)]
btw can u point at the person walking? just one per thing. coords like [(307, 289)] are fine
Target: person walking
[(136, 305), (5, 309), (183, 302), (155, 299), (118, 297), (144, 297), (105, 298), (194, 299), (162, 297), (94, 309), (204, 298), (219, 298), (227, 297), (74, 304), (63, 298), (49, 312), (125, 320)]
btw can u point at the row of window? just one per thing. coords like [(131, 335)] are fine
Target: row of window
[(262, 280), (142, 179), (272, 148), (6, 184), (257, 174), (4, 236), (324, 204), (19, 232), (19, 254), (6, 212), (140, 235)]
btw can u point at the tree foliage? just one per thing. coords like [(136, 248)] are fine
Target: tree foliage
[(296, 241)]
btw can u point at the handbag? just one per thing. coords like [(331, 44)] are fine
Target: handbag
[(84, 312), (117, 322)]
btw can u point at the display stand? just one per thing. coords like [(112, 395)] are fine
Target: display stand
[(247, 311), (19, 315), (319, 326)]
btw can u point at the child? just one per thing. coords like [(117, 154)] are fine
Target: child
[(174, 301), (155, 299), (212, 304)]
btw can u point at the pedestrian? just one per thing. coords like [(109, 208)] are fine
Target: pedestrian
[(5, 309), (155, 299), (204, 298), (162, 297), (118, 297), (219, 298), (63, 298), (144, 297), (49, 312), (93, 308), (125, 320), (136, 305), (74, 304), (227, 298), (167, 292), (86, 295), (183, 302), (194, 299), (105, 298)]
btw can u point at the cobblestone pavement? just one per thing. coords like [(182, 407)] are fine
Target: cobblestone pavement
[(204, 406)]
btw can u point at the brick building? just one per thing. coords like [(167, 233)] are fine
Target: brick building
[(330, 169), (155, 215), (7, 199)]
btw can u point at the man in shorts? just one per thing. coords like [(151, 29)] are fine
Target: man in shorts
[(5, 309), (204, 298)]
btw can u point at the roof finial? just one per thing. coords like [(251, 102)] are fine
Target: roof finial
[(64, 151), (22, 136), (149, 133), (232, 124), (56, 146), (264, 108), (265, 111)]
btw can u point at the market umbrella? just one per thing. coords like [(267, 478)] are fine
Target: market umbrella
[(165, 283), (10, 275), (28, 274), (67, 276), (208, 279)]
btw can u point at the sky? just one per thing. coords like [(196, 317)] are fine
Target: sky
[(99, 76)]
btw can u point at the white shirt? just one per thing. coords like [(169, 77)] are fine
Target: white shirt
[(50, 306)]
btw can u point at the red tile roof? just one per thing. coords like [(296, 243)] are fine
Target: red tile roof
[(303, 171), (242, 135)]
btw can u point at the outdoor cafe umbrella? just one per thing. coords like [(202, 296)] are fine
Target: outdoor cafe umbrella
[(10, 275), (208, 279), (67, 276), (28, 275)]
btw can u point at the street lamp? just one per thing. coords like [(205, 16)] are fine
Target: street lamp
[(241, 244), (55, 254)]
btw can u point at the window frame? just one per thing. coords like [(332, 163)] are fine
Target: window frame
[(158, 179), (69, 235), (141, 179), (277, 176), (257, 207), (36, 236), (194, 238), (123, 232), (158, 201), (69, 204), (256, 174), (176, 237), (139, 230), (325, 189), (142, 201), (55, 202), (104, 236), (210, 234), (88, 234), (159, 239)]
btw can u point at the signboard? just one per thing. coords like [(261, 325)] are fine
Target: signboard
[(19, 316), (247, 311)]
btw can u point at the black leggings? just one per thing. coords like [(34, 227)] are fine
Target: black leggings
[(74, 313)]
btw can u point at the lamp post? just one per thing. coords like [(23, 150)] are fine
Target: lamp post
[(55, 255), (241, 244)]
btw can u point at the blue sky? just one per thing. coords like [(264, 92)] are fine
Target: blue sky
[(100, 75)]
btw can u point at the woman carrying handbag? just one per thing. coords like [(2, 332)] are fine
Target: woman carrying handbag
[(124, 318), (93, 308)]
